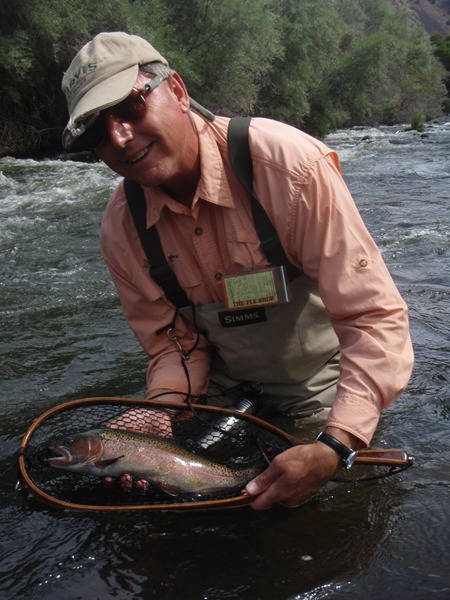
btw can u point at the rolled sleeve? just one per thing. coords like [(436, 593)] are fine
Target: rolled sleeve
[(367, 312)]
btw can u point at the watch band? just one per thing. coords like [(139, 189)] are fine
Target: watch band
[(347, 454)]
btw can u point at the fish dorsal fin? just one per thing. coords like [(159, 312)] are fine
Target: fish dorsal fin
[(101, 464)]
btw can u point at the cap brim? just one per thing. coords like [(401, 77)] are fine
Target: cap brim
[(105, 94)]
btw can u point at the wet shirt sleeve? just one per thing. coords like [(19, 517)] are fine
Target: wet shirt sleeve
[(325, 236), (365, 307)]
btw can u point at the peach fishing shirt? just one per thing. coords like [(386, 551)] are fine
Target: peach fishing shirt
[(298, 181)]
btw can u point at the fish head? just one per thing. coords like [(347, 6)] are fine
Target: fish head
[(78, 453)]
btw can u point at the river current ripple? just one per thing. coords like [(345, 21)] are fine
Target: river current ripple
[(63, 337)]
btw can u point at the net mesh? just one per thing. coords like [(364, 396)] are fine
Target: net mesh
[(231, 440)]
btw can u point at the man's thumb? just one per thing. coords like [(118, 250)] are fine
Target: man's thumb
[(258, 485)]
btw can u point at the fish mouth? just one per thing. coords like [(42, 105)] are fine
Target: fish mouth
[(62, 455)]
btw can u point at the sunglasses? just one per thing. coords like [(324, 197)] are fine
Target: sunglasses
[(130, 110)]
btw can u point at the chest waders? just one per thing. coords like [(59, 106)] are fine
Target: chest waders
[(291, 349)]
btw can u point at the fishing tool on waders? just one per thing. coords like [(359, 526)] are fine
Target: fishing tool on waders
[(195, 457)]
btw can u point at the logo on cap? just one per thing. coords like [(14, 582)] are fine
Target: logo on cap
[(80, 73)]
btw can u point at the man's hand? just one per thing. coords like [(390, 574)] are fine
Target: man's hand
[(297, 474), (294, 476)]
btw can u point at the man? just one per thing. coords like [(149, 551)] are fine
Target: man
[(335, 345)]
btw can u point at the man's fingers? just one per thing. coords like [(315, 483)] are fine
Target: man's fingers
[(258, 485), (126, 483)]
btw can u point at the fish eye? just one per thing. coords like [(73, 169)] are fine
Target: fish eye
[(68, 441)]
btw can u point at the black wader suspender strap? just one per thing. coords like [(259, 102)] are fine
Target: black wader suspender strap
[(241, 162), (160, 271)]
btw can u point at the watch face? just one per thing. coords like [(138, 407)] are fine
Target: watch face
[(347, 462)]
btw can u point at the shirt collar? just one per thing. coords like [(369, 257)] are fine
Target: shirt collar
[(213, 185)]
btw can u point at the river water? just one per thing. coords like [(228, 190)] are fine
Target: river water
[(63, 337)]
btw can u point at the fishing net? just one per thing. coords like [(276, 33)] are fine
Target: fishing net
[(223, 440)]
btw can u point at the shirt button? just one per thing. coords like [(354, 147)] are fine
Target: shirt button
[(363, 262), (218, 276), (198, 231)]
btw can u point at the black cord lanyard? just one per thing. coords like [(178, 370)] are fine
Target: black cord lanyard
[(173, 336)]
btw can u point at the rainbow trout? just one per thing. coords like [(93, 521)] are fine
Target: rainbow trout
[(161, 461)]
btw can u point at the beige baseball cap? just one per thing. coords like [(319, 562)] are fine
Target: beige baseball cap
[(102, 74)]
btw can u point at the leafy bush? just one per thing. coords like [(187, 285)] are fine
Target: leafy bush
[(418, 122)]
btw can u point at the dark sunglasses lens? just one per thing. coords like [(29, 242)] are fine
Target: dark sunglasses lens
[(133, 108), (95, 134)]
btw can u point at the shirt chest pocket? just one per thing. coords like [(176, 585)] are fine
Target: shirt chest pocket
[(243, 248)]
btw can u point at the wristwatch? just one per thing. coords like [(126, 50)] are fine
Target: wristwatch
[(347, 454)]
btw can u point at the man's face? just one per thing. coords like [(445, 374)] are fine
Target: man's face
[(156, 149)]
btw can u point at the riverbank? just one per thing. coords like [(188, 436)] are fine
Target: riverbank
[(49, 145)]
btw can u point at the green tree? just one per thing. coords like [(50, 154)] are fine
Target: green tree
[(421, 87), (38, 39), (223, 49), (389, 72), (313, 63), (351, 62), (311, 34), (441, 47)]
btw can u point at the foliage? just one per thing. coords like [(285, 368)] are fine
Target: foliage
[(317, 65), (351, 62), (441, 46), (223, 49), (418, 122), (296, 90)]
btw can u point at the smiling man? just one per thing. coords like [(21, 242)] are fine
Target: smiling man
[(322, 333)]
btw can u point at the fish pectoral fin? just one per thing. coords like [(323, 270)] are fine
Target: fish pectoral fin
[(168, 488), (101, 464)]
